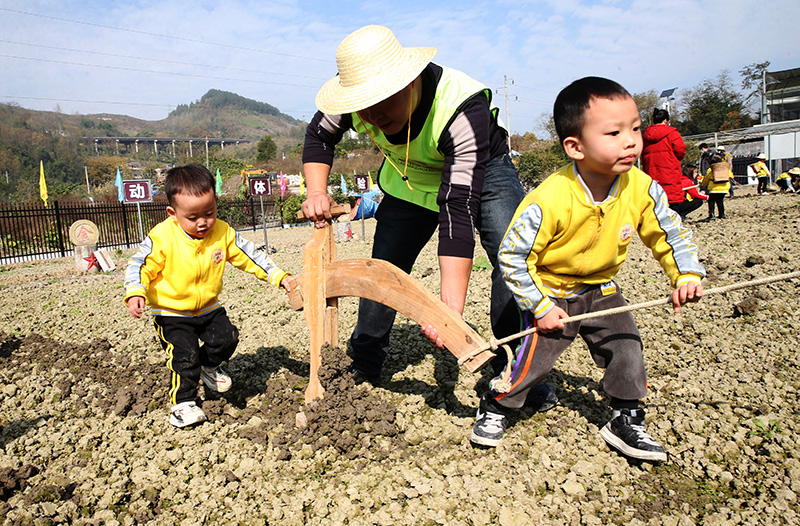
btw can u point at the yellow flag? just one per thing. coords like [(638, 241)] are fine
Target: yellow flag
[(302, 184), (42, 184), (371, 184)]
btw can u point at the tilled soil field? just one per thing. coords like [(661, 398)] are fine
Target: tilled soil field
[(85, 438)]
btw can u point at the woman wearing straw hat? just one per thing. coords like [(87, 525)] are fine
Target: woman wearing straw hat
[(449, 170)]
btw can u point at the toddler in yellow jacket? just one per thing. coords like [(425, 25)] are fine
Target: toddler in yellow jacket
[(178, 271), (565, 244)]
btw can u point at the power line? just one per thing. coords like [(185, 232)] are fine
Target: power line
[(536, 89), (114, 55), (172, 37), (527, 116), (122, 68), (534, 101)]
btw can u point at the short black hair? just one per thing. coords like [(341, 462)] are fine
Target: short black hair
[(703, 145), (192, 179), (572, 102), (660, 115)]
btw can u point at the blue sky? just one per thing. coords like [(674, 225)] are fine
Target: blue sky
[(143, 58)]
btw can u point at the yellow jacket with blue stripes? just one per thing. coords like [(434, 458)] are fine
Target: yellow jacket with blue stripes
[(182, 276), (560, 241)]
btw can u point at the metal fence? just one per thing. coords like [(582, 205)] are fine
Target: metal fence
[(29, 232), (739, 166)]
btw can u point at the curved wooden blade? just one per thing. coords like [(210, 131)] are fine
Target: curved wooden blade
[(381, 281)]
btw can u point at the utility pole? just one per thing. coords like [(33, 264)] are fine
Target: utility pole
[(764, 116), (508, 120), (506, 80), (86, 171)]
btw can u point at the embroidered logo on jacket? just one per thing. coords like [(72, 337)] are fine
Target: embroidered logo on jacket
[(217, 257), (626, 234)]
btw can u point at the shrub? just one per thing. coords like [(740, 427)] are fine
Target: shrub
[(291, 206)]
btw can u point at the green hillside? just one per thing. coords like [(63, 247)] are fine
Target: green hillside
[(216, 114), (64, 144)]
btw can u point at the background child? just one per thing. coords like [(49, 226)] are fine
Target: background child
[(693, 197), (178, 269), (727, 157), (565, 244), (717, 189), (762, 172), (784, 180)]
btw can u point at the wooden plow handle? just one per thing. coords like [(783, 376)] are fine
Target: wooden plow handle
[(384, 283), (336, 211)]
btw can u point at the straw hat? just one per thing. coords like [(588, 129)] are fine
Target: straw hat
[(372, 67), (721, 148), (795, 171), (761, 156)]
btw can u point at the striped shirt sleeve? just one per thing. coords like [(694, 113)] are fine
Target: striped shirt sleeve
[(466, 145), (322, 135)]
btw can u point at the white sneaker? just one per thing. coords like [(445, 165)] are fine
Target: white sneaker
[(186, 414), (215, 379)]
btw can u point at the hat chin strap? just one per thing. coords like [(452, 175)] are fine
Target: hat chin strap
[(408, 139)]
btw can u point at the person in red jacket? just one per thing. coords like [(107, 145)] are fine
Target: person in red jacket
[(661, 156)]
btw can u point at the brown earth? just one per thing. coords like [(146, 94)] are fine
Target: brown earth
[(85, 437)]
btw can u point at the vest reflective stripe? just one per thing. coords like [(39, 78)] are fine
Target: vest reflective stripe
[(425, 160)]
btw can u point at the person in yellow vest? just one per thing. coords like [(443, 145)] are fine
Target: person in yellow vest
[(717, 188), (446, 167), (784, 180), (795, 173), (727, 158), (762, 172)]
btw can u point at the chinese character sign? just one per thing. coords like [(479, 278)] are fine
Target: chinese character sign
[(362, 182), (260, 186), (137, 191)]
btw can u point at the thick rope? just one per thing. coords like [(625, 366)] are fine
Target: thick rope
[(493, 344)]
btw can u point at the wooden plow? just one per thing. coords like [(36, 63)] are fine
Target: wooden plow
[(324, 280)]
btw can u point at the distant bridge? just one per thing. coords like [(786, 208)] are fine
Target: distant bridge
[(164, 142)]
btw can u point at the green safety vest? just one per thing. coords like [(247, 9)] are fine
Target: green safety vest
[(425, 160)]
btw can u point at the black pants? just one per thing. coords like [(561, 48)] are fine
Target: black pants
[(180, 338), (717, 200), (685, 208), (763, 182)]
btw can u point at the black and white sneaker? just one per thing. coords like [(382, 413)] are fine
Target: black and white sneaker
[(625, 432), (490, 423)]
